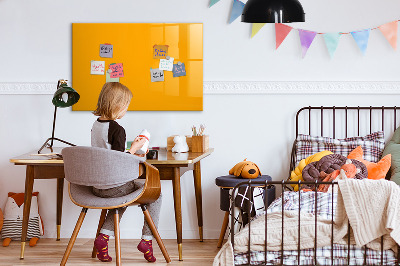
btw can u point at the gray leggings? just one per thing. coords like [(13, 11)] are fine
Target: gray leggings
[(154, 208)]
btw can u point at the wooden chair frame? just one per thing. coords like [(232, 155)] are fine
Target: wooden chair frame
[(150, 193)]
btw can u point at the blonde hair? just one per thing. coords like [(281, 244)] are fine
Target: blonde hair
[(113, 97)]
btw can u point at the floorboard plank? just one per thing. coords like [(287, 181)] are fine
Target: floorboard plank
[(49, 252)]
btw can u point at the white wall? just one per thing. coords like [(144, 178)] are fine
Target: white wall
[(35, 45)]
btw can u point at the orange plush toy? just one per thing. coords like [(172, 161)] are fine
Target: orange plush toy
[(245, 169), (375, 170), (13, 215)]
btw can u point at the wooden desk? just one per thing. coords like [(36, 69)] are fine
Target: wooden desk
[(171, 167)]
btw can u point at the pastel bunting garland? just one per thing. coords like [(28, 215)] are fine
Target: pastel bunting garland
[(389, 30), (281, 31), (332, 42), (213, 2), (237, 8), (361, 37), (256, 27), (306, 39)]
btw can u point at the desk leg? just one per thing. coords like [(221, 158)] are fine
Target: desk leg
[(199, 204), (176, 182), (60, 190), (27, 206)]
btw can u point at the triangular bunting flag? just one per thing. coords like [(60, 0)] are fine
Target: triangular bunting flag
[(306, 39), (281, 31), (389, 30), (361, 37), (237, 9), (332, 41), (256, 28), (213, 2)]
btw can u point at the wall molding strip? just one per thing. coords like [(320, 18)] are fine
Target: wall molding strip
[(246, 87)]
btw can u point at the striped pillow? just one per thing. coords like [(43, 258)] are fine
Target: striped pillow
[(372, 145)]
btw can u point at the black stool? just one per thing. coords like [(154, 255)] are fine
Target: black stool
[(226, 183)]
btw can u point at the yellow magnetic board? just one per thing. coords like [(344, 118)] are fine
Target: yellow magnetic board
[(133, 46)]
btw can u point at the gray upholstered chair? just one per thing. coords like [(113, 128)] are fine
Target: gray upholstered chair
[(85, 167)]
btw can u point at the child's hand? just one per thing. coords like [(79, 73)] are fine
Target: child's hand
[(137, 144), (142, 155)]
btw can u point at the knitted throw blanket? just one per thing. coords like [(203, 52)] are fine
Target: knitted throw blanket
[(373, 209)]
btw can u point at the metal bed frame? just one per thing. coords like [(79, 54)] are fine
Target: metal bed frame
[(283, 184)]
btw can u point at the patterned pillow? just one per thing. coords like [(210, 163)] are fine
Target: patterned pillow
[(372, 144)]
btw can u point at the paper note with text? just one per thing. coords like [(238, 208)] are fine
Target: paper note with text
[(156, 75), (160, 51), (106, 50), (179, 70), (166, 64), (97, 67), (117, 70)]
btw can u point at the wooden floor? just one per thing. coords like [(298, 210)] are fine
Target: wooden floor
[(50, 252)]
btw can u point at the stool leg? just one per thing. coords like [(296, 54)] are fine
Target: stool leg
[(101, 222), (223, 229), (117, 239)]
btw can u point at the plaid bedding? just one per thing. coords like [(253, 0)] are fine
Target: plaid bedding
[(323, 207), (324, 257), (372, 145)]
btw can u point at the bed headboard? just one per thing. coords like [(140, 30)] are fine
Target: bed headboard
[(344, 121)]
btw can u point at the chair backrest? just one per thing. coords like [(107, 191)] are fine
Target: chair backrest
[(91, 166)]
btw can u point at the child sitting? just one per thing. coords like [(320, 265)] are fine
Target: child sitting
[(106, 133)]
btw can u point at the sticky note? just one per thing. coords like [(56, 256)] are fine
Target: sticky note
[(106, 50), (160, 51), (97, 67), (179, 70), (110, 79), (166, 64), (117, 70), (156, 75)]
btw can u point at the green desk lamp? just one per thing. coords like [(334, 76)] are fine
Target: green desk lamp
[(64, 97)]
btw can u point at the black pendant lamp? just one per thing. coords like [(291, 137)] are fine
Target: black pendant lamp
[(273, 11)]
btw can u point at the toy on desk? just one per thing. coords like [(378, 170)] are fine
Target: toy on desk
[(13, 216), (180, 144), (245, 169), (144, 134)]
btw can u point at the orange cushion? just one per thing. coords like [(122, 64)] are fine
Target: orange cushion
[(375, 170)]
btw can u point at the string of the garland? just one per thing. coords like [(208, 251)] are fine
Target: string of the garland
[(342, 32)]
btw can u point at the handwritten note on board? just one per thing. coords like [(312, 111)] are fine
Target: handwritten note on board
[(97, 67), (106, 50), (160, 51), (179, 70), (156, 75), (166, 64), (117, 70), (109, 79)]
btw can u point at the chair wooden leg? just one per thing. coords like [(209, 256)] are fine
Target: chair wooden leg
[(223, 229), (117, 239), (154, 230), (73, 237), (101, 222)]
